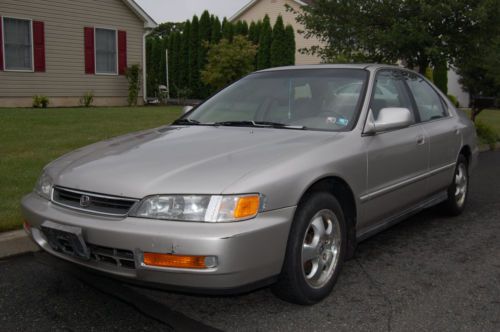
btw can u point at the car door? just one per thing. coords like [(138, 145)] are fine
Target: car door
[(441, 130), (396, 159)]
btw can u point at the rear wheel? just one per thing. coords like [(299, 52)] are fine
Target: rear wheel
[(459, 189), (315, 252)]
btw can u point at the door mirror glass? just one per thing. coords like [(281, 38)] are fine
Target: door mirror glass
[(389, 118), (186, 109)]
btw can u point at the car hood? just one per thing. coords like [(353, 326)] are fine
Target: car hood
[(180, 160)]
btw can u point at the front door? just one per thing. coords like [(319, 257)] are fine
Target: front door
[(397, 160)]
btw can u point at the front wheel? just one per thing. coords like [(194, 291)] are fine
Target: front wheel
[(459, 189), (315, 251)]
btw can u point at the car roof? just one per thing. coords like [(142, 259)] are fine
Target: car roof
[(366, 66)]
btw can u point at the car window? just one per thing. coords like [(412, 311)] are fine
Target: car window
[(315, 99), (389, 91), (429, 104)]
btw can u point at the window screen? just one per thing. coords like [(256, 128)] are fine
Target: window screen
[(105, 51), (18, 44)]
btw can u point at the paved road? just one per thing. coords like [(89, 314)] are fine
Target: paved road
[(428, 273)]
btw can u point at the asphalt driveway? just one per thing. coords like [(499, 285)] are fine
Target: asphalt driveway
[(428, 273)]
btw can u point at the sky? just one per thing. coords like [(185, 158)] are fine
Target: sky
[(181, 10)]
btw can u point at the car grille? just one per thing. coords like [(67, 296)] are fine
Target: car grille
[(111, 256), (91, 202)]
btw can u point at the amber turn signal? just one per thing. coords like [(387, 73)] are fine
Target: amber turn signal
[(175, 261), (247, 206)]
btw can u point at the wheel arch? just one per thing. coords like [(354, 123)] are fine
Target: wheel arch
[(339, 188), (466, 152)]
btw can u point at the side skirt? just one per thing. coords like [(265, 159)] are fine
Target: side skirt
[(391, 221)]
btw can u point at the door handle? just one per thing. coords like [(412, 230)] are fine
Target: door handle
[(420, 139)]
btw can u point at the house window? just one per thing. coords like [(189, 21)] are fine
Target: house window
[(106, 51), (18, 44)]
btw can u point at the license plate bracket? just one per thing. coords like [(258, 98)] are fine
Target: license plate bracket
[(66, 239)]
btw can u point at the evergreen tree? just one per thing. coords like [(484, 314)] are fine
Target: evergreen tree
[(227, 30), (184, 57), (205, 37), (173, 61), (253, 33), (290, 45), (279, 44), (441, 77), (194, 49), (162, 73), (216, 31), (265, 40), (241, 28), (149, 66), (205, 26), (155, 69)]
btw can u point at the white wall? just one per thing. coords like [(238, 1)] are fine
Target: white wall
[(454, 88)]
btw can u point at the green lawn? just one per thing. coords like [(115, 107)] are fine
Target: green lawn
[(490, 118), (31, 138)]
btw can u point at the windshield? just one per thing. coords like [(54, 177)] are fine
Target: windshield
[(323, 99)]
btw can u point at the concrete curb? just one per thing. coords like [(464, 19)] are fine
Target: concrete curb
[(15, 243)]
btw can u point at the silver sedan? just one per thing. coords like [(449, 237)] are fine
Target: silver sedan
[(273, 181)]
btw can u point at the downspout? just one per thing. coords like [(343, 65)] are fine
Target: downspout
[(144, 71)]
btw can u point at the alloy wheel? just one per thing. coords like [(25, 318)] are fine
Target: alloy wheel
[(321, 248)]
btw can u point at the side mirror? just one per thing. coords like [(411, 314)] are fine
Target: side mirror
[(389, 118), (186, 109)]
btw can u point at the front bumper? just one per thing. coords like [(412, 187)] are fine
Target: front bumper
[(247, 252)]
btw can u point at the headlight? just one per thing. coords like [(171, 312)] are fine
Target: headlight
[(44, 186), (199, 207)]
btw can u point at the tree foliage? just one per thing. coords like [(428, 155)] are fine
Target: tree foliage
[(440, 76), (194, 50), (228, 61), (279, 44), (418, 32), (478, 60), (188, 44), (265, 40)]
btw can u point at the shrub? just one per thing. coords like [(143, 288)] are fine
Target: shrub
[(454, 100), (228, 62), (440, 77), (87, 99), (40, 101), (429, 74), (134, 80), (486, 134)]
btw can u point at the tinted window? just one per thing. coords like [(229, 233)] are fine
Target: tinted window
[(316, 99), (389, 91), (429, 104)]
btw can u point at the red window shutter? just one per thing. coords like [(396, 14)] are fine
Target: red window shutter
[(122, 52), (1, 44), (39, 46), (89, 50)]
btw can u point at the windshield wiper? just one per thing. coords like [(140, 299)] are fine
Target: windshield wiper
[(186, 122), (264, 124)]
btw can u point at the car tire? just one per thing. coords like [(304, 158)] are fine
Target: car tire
[(315, 251), (458, 191)]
